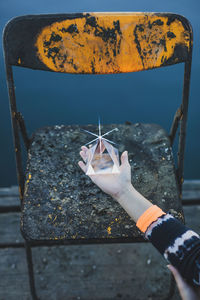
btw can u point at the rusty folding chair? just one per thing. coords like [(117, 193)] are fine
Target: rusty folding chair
[(59, 203)]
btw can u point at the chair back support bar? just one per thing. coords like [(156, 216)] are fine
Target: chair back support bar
[(97, 43), (183, 122)]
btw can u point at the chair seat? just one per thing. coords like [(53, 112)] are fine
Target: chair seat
[(60, 201)]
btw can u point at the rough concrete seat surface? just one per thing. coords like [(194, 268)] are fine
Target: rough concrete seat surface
[(61, 202)]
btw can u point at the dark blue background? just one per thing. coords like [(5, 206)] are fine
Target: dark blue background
[(47, 98)]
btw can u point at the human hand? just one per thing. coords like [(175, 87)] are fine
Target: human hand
[(119, 186), (113, 184), (187, 292)]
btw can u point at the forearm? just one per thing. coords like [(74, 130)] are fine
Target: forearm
[(133, 202)]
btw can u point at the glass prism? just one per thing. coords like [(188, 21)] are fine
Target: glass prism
[(103, 158)]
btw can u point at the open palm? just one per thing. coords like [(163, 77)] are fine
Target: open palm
[(112, 184)]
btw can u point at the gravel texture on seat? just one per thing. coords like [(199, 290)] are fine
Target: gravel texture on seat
[(60, 201)]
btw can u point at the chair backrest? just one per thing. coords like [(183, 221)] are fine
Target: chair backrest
[(98, 43)]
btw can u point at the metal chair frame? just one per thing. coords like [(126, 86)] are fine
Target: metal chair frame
[(14, 54)]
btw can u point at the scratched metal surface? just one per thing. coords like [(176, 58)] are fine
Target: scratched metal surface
[(98, 43), (61, 203)]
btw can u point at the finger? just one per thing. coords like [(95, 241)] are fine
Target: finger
[(179, 280), (124, 158), (84, 148), (83, 155), (82, 166)]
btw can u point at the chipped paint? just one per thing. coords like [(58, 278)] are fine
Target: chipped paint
[(109, 230), (74, 236), (103, 43), (19, 61), (54, 219)]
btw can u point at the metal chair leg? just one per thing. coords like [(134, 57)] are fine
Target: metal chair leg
[(30, 271)]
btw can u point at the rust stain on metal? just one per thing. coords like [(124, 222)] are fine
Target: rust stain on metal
[(20, 193), (103, 43)]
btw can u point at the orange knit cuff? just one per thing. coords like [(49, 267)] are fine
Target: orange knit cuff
[(149, 216)]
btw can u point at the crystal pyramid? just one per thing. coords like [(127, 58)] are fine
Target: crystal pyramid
[(102, 158)]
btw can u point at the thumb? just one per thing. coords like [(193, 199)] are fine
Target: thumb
[(124, 158)]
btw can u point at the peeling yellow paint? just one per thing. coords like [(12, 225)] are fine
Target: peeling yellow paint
[(50, 216), (59, 207), (54, 218), (109, 230), (29, 176), (74, 236), (19, 61), (105, 43), (58, 237)]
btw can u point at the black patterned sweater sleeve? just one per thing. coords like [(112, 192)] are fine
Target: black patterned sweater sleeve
[(178, 244)]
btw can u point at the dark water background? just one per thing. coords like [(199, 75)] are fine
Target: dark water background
[(47, 98)]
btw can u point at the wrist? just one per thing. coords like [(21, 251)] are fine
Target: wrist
[(126, 193)]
